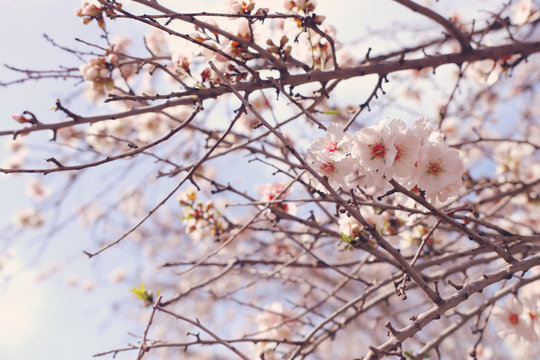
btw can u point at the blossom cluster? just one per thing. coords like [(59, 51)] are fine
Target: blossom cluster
[(273, 193), (202, 220), (417, 158), (98, 71), (90, 12)]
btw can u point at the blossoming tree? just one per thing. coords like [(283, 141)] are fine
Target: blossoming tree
[(295, 196)]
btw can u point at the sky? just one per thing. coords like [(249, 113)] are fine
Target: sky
[(58, 304)]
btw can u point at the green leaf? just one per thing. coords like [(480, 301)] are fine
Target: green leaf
[(409, 354), (332, 112), (346, 238), (146, 296)]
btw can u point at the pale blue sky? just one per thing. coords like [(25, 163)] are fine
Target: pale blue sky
[(50, 320)]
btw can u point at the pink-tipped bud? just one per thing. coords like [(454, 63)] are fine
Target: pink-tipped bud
[(90, 10), (19, 118)]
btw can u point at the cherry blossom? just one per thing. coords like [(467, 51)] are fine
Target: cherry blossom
[(524, 11), (337, 172), (272, 192), (374, 149), (98, 72), (511, 320), (37, 190), (449, 206), (407, 145), (157, 42), (439, 170), (28, 218), (202, 221)]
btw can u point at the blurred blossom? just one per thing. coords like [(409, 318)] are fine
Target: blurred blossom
[(28, 218), (117, 276), (36, 190)]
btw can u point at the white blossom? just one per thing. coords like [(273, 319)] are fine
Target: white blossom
[(374, 148), (28, 218), (439, 170), (510, 320)]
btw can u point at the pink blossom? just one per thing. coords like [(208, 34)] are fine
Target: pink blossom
[(20, 118), (28, 218), (272, 192), (374, 148), (337, 172), (407, 145), (510, 321), (157, 42), (37, 190), (523, 11), (439, 168), (334, 145)]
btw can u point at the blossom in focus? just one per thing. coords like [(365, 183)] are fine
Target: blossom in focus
[(439, 170), (333, 145), (374, 149), (425, 132), (337, 172), (372, 156), (407, 145)]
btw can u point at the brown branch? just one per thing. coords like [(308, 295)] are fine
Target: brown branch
[(460, 296), (383, 68), (448, 25), (198, 324)]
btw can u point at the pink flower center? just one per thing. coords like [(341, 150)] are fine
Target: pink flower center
[(513, 319), (532, 316), (435, 168), (400, 152), (328, 168), (378, 150), (332, 146)]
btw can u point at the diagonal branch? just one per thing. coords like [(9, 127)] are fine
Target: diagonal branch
[(448, 25)]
